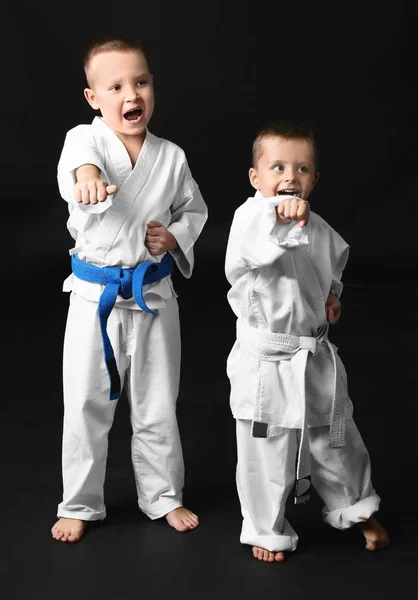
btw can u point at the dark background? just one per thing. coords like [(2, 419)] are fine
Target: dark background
[(221, 70)]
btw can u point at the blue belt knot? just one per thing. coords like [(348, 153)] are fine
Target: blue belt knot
[(127, 283)]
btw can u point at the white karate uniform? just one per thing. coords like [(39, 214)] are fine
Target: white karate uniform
[(287, 378), (159, 187)]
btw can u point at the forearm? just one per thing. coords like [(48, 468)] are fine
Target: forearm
[(86, 172), (257, 239)]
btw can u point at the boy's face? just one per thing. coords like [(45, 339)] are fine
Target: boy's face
[(122, 88), (285, 166)]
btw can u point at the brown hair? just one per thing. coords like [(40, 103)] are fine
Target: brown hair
[(285, 129), (110, 44)]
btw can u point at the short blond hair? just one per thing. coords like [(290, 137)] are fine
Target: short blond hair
[(286, 129), (110, 44)]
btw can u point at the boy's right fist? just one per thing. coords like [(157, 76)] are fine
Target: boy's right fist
[(93, 190), (294, 209)]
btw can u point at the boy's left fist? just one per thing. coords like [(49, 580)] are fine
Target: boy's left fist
[(295, 209), (333, 308), (158, 239)]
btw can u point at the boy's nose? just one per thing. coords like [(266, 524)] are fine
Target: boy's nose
[(290, 174), (132, 93)]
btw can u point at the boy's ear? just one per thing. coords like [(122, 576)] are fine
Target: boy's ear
[(315, 181), (91, 98), (252, 174)]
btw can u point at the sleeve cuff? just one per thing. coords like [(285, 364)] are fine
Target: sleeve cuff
[(183, 254)]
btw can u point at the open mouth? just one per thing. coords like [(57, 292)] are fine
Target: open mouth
[(133, 115), (288, 193)]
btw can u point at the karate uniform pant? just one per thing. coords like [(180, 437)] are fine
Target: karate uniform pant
[(266, 475), (147, 352)]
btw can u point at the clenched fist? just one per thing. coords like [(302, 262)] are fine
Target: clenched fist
[(158, 239), (295, 209)]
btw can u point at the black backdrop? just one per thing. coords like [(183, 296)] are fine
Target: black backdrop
[(221, 70)]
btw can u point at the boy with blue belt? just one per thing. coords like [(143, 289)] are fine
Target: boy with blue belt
[(135, 212)]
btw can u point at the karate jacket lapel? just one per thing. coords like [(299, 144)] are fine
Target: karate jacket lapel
[(130, 182)]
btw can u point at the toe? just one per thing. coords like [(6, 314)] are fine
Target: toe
[(370, 545), (190, 515), (188, 524), (279, 557), (194, 521)]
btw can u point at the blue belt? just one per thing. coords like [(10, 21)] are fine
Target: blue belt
[(127, 283)]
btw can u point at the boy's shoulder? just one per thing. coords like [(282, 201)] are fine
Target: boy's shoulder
[(169, 146), (251, 203), (81, 133), (322, 232), (319, 222)]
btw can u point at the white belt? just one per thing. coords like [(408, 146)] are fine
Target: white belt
[(268, 346)]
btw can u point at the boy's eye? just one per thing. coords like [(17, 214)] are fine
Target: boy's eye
[(142, 82), (115, 87), (278, 168), (304, 169)]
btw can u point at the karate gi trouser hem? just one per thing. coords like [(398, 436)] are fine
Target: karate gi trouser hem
[(343, 518), (265, 476), (161, 507), (287, 541), (83, 515)]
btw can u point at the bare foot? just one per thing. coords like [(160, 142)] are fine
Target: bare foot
[(376, 536), (267, 556), (182, 519), (68, 530)]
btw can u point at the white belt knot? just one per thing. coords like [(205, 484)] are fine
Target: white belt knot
[(308, 343)]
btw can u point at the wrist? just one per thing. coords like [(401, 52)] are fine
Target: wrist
[(283, 220), (171, 241), (86, 172)]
